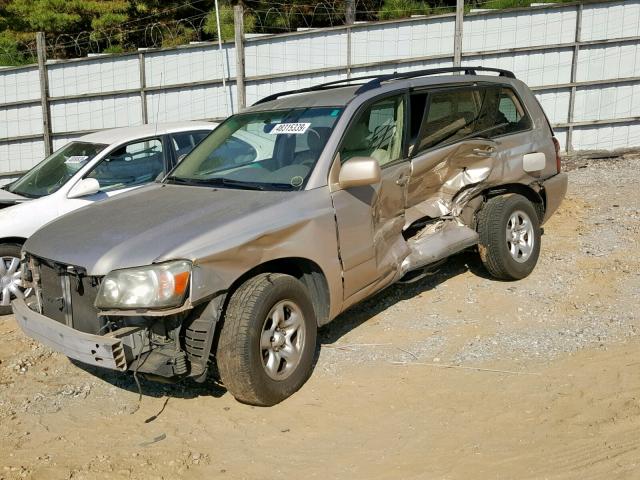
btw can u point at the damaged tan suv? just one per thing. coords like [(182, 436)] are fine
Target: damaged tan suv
[(287, 215)]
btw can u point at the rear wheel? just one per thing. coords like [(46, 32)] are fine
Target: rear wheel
[(510, 236), (268, 339), (10, 276)]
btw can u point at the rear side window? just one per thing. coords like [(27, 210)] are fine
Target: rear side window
[(456, 114), (451, 116), (184, 142), (511, 113)]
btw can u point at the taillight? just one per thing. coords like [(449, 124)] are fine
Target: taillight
[(556, 143)]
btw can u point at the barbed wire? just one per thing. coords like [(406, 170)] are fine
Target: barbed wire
[(279, 17)]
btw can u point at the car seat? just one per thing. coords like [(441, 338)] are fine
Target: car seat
[(317, 138)]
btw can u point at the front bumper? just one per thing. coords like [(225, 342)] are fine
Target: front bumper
[(555, 189), (96, 350)]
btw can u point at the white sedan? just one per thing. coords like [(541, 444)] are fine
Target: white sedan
[(92, 168)]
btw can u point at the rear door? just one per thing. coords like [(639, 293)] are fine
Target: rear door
[(371, 218), (184, 142), (445, 137), (467, 134)]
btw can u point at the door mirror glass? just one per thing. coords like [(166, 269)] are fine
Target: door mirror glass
[(359, 171), (85, 187)]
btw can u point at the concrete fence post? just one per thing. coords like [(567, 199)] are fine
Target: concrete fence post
[(238, 22), (574, 77), (143, 88), (41, 46), (350, 19), (457, 38)]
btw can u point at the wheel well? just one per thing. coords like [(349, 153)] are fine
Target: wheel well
[(16, 240), (526, 191), (305, 270)]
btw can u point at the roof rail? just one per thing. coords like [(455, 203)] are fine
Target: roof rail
[(375, 81), (322, 86)]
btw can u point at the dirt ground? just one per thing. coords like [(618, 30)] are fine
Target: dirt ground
[(454, 377)]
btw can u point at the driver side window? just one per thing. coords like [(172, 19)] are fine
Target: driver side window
[(377, 132), (130, 165)]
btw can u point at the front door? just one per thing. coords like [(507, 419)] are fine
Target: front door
[(371, 218), (127, 167)]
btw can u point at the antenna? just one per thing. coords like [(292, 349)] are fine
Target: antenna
[(224, 74)]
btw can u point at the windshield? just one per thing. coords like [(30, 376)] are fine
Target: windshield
[(53, 172), (274, 150)]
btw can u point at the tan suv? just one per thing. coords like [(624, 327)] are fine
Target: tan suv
[(287, 215)]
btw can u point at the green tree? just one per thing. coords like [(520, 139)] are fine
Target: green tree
[(226, 22), (77, 27), (402, 8)]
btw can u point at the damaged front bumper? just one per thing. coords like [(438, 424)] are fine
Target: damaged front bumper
[(102, 351), (126, 348)]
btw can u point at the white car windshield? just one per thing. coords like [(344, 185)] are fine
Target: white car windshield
[(52, 173), (273, 150)]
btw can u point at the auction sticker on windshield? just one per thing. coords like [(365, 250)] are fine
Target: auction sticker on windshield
[(76, 159), (287, 128)]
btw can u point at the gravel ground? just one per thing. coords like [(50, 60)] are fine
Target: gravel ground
[(559, 331), (588, 245)]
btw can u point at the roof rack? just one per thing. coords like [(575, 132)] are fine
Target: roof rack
[(375, 81), (323, 86)]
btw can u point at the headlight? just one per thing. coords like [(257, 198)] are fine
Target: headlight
[(156, 286)]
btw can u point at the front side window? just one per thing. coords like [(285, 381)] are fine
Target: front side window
[(52, 173), (260, 150), (131, 165), (377, 132)]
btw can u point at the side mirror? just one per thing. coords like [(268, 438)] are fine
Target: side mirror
[(85, 187), (359, 171)]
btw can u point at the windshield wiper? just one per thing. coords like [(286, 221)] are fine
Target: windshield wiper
[(231, 183), (24, 194), (187, 181), (215, 182), (227, 182), (253, 185)]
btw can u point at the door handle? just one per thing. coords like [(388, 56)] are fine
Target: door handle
[(402, 180), (484, 152)]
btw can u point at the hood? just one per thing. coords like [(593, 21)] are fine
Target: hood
[(7, 198), (156, 223)]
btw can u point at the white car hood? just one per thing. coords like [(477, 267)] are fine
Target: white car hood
[(8, 197)]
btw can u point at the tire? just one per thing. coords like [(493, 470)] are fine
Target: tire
[(510, 237), (8, 251), (250, 352)]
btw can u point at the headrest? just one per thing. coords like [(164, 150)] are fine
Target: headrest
[(358, 137), (317, 138)]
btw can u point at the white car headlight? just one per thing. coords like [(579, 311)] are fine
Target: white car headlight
[(157, 286)]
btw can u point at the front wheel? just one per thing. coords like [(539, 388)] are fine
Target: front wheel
[(510, 236), (268, 339), (10, 276)]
